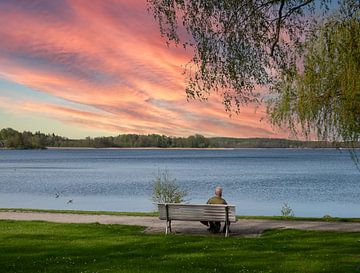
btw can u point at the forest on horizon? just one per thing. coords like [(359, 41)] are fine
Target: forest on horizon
[(12, 139)]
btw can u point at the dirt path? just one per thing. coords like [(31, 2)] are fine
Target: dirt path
[(248, 227)]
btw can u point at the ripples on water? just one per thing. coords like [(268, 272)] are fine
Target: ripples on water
[(258, 181)]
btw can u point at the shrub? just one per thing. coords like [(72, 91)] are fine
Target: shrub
[(327, 217), (167, 190), (286, 211)]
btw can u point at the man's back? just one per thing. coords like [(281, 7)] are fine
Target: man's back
[(216, 200)]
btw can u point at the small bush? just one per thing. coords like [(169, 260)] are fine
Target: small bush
[(286, 211), (166, 190)]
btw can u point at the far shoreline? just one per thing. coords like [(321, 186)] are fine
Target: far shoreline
[(135, 148), (181, 148), (189, 148)]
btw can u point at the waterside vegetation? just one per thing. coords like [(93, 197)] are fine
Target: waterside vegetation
[(12, 139)]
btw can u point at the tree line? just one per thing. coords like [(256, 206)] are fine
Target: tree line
[(12, 139)]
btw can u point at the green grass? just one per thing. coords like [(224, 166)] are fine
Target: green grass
[(52, 247), (156, 214), (291, 218)]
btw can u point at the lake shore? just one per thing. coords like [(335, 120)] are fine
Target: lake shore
[(137, 148), (195, 149)]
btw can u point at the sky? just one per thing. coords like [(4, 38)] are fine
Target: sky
[(81, 68)]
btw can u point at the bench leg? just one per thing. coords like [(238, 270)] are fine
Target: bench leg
[(168, 227)]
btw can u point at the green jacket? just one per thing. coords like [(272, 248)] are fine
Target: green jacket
[(216, 200)]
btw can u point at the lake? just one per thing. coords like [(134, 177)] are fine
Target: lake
[(314, 182)]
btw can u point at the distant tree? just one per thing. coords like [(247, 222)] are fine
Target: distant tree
[(102, 142), (15, 141), (198, 141), (7, 133)]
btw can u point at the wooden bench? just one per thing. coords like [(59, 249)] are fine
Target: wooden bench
[(187, 212)]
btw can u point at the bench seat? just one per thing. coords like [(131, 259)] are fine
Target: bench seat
[(190, 212)]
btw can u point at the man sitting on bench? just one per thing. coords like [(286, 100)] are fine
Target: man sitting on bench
[(217, 199)]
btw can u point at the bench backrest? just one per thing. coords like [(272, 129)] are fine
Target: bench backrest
[(187, 212)]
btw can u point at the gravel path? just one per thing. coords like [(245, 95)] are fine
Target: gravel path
[(244, 227)]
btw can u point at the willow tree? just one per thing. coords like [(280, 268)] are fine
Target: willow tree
[(322, 94), (242, 46), (237, 45)]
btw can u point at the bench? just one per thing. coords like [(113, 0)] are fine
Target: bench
[(188, 212)]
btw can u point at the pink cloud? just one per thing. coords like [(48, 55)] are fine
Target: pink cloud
[(109, 55)]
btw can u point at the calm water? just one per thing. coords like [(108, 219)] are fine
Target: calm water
[(257, 181)]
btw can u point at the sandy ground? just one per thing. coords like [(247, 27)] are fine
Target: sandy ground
[(246, 228)]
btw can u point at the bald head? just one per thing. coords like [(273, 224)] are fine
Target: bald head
[(218, 191)]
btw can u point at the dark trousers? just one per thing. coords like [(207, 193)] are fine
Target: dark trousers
[(215, 227)]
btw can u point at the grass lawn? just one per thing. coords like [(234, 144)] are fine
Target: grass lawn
[(117, 213), (52, 247)]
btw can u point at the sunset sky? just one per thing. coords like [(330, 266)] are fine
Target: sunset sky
[(97, 68)]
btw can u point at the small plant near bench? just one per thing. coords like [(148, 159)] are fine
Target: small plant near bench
[(286, 211), (167, 190)]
